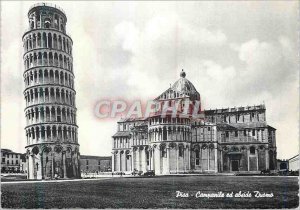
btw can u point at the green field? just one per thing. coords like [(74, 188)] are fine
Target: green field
[(157, 192)]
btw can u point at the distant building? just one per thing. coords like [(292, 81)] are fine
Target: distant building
[(294, 163), (282, 164), (222, 140), (12, 162), (92, 164)]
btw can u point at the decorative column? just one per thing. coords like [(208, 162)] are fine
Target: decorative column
[(267, 158), (177, 162), (157, 160), (168, 160), (34, 167), (119, 160), (64, 164), (132, 160), (248, 154), (216, 158), (221, 160), (257, 159), (138, 159), (185, 158), (189, 157), (40, 171), (152, 158), (144, 160), (28, 167), (208, 152), (112, 161), (124, 161), (52, 165)]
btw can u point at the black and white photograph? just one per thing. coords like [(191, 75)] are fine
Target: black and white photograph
[(149, 104)]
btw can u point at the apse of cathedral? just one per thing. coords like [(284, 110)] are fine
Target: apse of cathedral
[(219, 140)]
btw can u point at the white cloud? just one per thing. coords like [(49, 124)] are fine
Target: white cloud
[(234, 56)]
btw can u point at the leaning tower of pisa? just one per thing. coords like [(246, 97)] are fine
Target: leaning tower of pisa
[(51, 130)]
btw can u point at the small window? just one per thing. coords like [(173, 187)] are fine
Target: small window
[(147, 158), (208, 128), (236, 133), (17, 162), (87, 162), (180, 151), (253, 132), (252, 150), (245, 133), (87, 167), (197, 157), (227, 134), (47, 23), (99, 162), (164, 152)]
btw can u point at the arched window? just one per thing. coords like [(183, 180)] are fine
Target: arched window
[(31, 25), (197, 160), (147, 157), (47, 23), (164, 134)]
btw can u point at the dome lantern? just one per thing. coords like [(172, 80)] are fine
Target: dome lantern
[(182, 74)]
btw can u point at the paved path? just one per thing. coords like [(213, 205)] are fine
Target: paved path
[(61, 180)]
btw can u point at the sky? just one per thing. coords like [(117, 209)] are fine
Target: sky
[(235, 53)]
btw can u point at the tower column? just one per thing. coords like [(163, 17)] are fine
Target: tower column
[(64, 164), (40, 169), (52, 165)]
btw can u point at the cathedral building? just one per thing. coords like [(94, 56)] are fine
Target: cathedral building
[(219, 140), (52, 148)]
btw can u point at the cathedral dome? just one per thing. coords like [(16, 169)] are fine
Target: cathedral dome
[(184, 86)]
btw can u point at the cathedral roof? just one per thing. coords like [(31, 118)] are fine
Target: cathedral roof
[(183, 85), (181, 88), (122, 134)]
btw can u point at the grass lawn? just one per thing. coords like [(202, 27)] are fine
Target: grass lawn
[(157, 192)]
